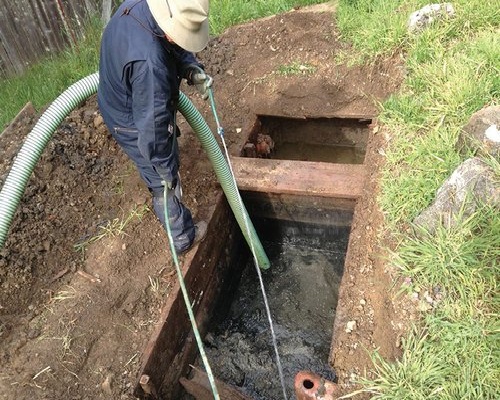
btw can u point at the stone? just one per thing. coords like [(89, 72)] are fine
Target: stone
[(481, 135), (422, 18), (472, 184), (350, 326), (106, 385), (98, 121)]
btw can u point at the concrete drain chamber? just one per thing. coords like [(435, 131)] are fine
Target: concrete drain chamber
[(299, 180)]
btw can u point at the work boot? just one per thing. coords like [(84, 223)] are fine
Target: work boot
[(180, 220), (200, 231)]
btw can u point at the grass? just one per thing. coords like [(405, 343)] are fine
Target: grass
[(226, 13), (113, 228), (439, 96), (64, 294), (462, 333), (154, 284), (44, 81), (296, 68), (452, 71)]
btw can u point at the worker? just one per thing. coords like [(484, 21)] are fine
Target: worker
[(147, 48)]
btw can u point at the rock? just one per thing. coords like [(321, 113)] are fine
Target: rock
[(350, 326), (98, 121), (34, 333), (86, 134), (428, 298), (47, 169), (264, 145), (249, 150), (481, 134), (88, 116), (46, 245), (473, 183), (140, 198), (106, 385), (424, 306), (422, 18)]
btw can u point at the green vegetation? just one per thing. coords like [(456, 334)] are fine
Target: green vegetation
[(226, 13), (453, 70), (46, 80), (296, 68), (454, 353), (447, 82), (113, 228)]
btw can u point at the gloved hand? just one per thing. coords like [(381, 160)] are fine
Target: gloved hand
[(197, 77)]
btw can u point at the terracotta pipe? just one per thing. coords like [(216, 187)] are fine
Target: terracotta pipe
[(310, 386)]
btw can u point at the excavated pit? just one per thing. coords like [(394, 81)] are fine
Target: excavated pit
[(302, 209), (330, 140), (302, 290)]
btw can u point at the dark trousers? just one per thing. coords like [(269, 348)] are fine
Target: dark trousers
[(180, 218)]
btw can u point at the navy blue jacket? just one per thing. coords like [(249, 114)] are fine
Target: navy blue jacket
[(139, 77)]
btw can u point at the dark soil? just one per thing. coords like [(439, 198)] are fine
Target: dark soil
[(74, 323)]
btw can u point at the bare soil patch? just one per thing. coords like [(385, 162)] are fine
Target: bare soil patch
[(73, 324)]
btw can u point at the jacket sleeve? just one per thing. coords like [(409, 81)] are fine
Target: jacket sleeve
[(152, 113), (185, 60)]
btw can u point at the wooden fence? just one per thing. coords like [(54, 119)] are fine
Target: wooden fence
[(31, 29)]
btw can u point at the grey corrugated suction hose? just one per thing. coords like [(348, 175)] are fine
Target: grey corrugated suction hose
[(36, 141)]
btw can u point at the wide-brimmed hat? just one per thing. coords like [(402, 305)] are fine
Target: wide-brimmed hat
[(184, 21)]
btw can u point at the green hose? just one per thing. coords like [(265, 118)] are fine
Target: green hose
[(223, 172), (36, 141)]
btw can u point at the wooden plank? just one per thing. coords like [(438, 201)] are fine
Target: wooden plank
[(172, 346), (304, 178), (199, 387)]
